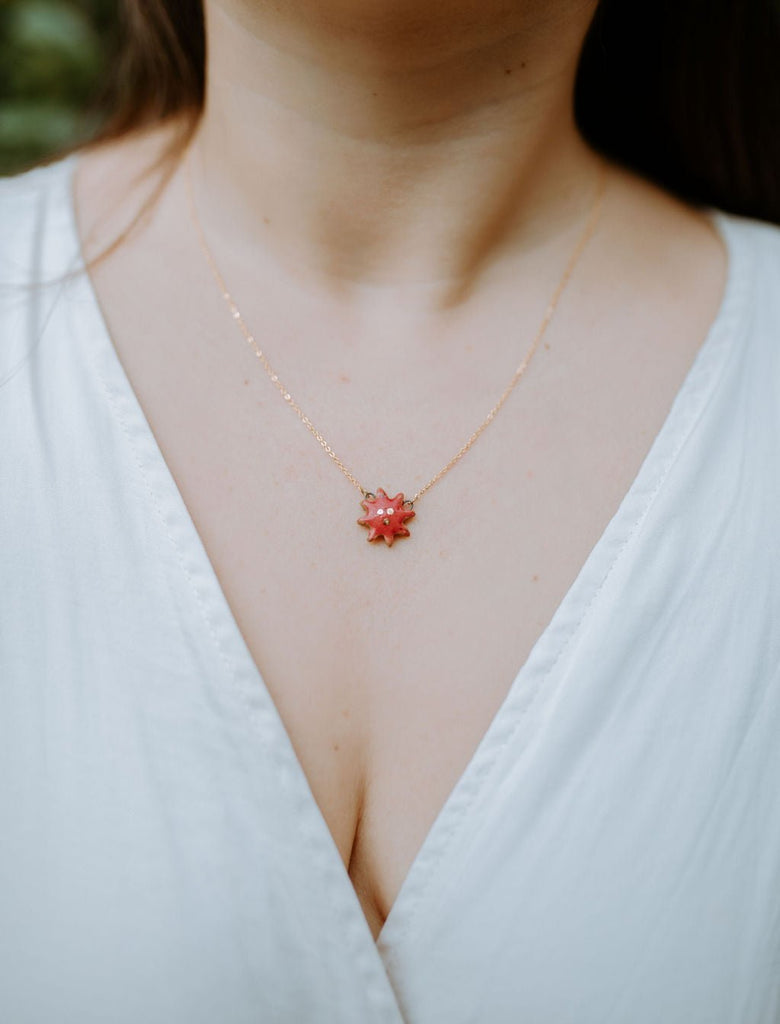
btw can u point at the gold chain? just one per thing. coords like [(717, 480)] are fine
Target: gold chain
[(584, 238)]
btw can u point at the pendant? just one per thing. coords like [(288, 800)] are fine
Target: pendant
[(385, 517)]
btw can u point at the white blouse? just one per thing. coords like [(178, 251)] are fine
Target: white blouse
[(611, 853)]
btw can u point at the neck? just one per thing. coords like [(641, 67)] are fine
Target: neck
[(369, 144)]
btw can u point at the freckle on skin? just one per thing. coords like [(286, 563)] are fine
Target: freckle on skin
[(246, 381), (345, 378), (266, 220), (335, 746), (345, 714), (530, 474), (534, 579)]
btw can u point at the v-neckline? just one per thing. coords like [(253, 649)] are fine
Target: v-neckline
[(568, 617)]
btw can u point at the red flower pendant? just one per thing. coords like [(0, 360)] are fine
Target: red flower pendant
[(385, 517)]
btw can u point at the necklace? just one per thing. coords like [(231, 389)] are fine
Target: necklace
[(386, 517)]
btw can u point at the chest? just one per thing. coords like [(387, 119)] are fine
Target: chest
[(387, 665)]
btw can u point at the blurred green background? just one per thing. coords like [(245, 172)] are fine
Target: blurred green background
[(53, 60)]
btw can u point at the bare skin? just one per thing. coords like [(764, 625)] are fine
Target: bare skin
[(392, 192)]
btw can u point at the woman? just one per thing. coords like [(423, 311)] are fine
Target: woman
[(513, 759)]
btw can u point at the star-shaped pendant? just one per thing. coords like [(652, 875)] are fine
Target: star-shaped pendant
[(385, 517)]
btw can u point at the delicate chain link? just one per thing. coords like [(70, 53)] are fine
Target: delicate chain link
[(587, 232)]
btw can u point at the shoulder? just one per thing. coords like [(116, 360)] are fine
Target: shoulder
[(723, 264), (24, 195), (29, 186), (754, 285), (756, 241), (35, 211), (48, 209), (760, 235), (711, 280), (38, 247)]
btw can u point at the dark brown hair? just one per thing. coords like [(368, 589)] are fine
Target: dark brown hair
[(684, 91)]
